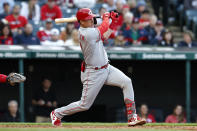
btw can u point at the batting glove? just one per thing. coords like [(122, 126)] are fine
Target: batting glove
[(115, 18)]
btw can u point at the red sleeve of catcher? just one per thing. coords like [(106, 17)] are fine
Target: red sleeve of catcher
[(104, 26), (2, 78)]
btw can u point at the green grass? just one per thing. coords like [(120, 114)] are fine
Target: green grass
[(95, 127), (99, 124)]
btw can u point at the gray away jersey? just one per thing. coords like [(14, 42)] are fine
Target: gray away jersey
[(92, 47)]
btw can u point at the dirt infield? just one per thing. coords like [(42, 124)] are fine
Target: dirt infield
[(99, 126)]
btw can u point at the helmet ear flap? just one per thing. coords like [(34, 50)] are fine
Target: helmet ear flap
[(95, 21)]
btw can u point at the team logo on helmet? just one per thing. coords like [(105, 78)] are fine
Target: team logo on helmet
[(90, 12)]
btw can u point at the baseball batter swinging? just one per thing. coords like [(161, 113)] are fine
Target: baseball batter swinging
[(96, 70)]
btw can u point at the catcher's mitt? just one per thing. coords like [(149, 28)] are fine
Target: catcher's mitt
[(13, 78)]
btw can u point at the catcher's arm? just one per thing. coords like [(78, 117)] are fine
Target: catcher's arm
[(13, 78)]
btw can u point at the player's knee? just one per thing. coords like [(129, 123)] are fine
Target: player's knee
[(85, 107)]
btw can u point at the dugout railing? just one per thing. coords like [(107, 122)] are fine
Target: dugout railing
[(115, 53)]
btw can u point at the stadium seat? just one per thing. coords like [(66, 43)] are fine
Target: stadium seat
[(18, 3), (68, 12), (190, 14), (96, 8), (182, 18), (57, 26), (158, 113), (193, 115), (194, 26), (119, 114), (35, 26), (41, 2)]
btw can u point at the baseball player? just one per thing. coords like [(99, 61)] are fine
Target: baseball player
[(12, 78), (96, 70)]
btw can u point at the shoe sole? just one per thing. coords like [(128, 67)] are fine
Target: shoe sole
[(140, 123), (52, 120)]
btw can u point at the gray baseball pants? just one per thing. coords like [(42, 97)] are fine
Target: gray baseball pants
[(93, 80)]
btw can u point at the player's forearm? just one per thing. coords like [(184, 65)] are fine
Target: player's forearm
[(112, 26), (104, 26), (107, 33), (3, 78)]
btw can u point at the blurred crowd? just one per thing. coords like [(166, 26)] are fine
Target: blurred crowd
[(140, 22), (177, 115)]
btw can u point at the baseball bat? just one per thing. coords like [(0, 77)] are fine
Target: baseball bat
[(65, 20), (71, 19)]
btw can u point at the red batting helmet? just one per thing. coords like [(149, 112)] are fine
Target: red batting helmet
[(84, 14)]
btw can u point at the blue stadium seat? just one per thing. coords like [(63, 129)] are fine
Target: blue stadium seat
[(96, 8), (35, 26), (57, 26), (41, 2), (68, 12), (158, 113), (31, 22), (190, 14), (194, 26), (18, 3), (193, 115)]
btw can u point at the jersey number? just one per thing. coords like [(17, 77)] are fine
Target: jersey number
[(82, 38)]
